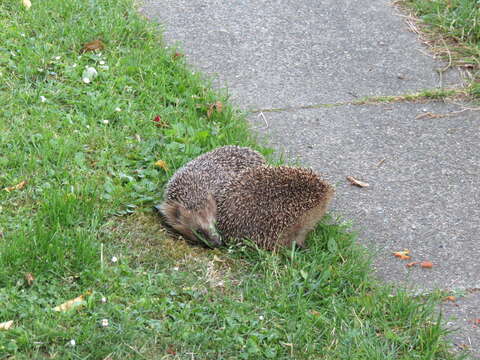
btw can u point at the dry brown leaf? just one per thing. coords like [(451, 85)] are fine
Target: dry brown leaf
[(29, 278), (405, 252), (27, 4), (19, 186), (217, 106), (411, 264), (171, 350), (210, 111), (161, 164), (450, 298), (177, 56), (6, 325), (314, 312), (357, 182), (159, 122), (426, 264), (71, 304), (93, 46)]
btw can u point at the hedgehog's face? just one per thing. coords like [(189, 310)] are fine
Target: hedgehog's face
[(204, 222), (196, 225)]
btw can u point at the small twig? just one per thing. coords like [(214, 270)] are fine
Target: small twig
[(449, 56), (442, 70), (380, 162), (101, 256), (431, 115), (464, 107), (412, 26), (136, 351), (264, 118)]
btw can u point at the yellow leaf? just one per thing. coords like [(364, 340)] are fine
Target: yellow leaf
[(6, 325), (161, 164), (27, 4), (70, 304)]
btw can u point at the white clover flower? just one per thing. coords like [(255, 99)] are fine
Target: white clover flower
[(89, 74)]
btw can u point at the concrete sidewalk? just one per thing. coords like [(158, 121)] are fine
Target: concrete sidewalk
[(422, 160)]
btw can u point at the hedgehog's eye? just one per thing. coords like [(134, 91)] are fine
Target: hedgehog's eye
[(202, 234), (177, 213)]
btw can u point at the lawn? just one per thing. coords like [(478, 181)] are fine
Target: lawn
[(84, 155)]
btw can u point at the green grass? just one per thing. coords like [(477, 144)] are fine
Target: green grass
[(91, 181), (453, 26)]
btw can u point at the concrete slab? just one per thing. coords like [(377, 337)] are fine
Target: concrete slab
[(273, 53), (423, 197), (464, 314)]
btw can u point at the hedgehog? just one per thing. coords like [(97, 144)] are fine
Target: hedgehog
[(190, 204), (272, 206)]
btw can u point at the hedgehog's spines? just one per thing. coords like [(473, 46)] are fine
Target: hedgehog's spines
[(273, 206)]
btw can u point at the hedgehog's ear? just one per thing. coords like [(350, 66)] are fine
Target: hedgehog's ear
[(211, 206)]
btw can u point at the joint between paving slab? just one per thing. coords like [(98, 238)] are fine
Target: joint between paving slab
[(423, 96)]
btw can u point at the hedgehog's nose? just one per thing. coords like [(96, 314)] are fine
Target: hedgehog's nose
[(217, 241)]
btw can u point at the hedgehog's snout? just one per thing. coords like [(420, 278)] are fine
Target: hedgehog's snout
[(215, 236), (210, 237)]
